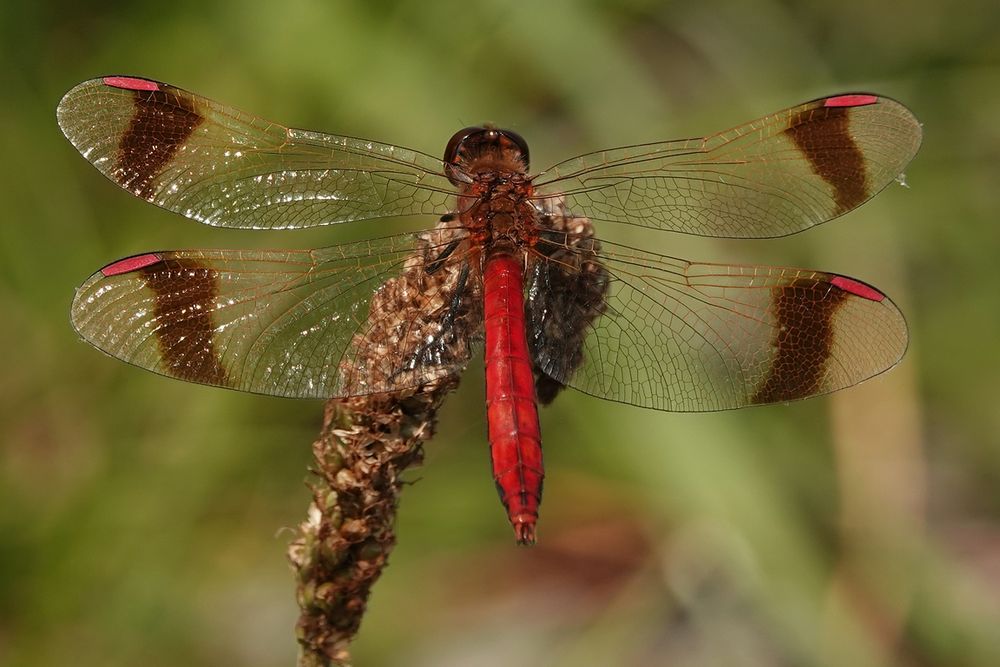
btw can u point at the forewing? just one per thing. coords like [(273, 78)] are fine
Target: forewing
[(228, 168), (348, 320), (774, 176), (681, 336)]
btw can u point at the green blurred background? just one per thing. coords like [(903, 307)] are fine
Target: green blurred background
[(144, 521)]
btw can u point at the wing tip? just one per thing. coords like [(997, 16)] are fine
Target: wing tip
[(69, 105), (848, 100), (896, 330), (120, 81)]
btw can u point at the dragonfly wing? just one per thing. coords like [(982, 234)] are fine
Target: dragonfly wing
[(774, 176), (347, 320), (674, 335), (228, 168)]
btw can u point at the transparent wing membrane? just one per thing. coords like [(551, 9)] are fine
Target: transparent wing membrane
[(684, 336), (228, 168), (774, 176), (337, 321), (398, 312)]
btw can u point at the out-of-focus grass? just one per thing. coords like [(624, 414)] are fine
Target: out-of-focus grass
[(140, 518)]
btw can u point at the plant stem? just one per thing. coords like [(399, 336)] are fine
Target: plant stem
[(344, 543)]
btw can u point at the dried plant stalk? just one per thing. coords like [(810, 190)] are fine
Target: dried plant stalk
[(365, 444), (432, 317)]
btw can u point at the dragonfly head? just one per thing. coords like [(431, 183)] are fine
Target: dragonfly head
[(482, 148)]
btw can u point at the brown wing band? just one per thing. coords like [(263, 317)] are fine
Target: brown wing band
[(185, 294), (803, 340), (823, 136), (161, 123)]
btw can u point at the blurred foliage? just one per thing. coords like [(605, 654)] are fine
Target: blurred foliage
[(141, 519)]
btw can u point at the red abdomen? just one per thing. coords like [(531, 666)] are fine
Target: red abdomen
[(511, 409)]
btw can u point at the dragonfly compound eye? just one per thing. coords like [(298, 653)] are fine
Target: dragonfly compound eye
[(519, 144), (471, 143), (455, 151)]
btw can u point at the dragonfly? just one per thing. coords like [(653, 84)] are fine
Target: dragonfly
[(512, 263)]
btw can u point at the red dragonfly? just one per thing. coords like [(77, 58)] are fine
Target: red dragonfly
[(514, 261)]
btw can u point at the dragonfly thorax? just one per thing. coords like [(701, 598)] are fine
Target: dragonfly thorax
[(497, 209)]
